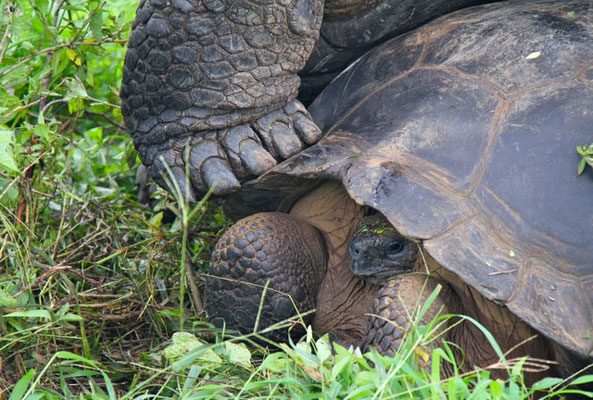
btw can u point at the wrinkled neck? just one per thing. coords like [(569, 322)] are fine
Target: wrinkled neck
[(343, 299)]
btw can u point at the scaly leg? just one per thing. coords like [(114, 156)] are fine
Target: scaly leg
[(396, 309), (274, 247)]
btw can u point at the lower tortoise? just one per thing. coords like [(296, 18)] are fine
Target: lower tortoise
[(462, 135)]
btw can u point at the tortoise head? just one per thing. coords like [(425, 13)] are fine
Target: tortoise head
[(378, 252)]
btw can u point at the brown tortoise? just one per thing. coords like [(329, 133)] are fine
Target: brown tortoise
[(462, 134)]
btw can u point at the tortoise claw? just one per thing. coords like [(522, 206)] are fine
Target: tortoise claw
[(217, 174), (224, 158), (287, 131), (307, 130), (256, 160), (285, 141)]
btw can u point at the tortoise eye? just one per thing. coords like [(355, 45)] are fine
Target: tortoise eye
[(395, 249)]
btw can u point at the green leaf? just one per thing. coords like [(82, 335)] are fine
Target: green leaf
[(324, 349), (192, 376), (582, 380), (59, 61), (582, 166), (8, 100), (27, 45), (185, 342), (343, 360), (96, 23), (95, 134), (156, 219), (546, 383), (239, 354), (76, 89), (21, 386), (11, 194), (6, 299), (29, 314), (275, 362), (75, 105), (66, 355), (6, 135), (42, 130), (72, 317), (7, 160)]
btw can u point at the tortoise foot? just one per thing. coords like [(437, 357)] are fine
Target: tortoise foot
[(264, 270), (221, 159)]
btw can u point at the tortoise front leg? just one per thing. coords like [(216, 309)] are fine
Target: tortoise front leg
[(396, 309), (277, 248), (218, 77)]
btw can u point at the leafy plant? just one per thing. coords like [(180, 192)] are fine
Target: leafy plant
[(586, 153)]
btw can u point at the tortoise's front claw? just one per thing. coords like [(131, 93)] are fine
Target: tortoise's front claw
[(202, 157), (167, 170), (287, 131), (247, 156), (216, 174), (221, 159)]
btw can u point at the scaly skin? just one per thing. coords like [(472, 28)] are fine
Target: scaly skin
[(396, 308), (378, 252), (274, 247), (220, 77), (296, 259)]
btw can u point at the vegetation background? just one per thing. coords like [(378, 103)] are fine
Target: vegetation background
[(93, 285)]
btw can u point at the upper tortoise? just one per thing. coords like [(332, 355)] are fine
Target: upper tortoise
[(219, 77), (462, 135)]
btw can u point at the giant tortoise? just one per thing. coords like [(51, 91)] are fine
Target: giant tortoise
[(220, 76), (462, 135)]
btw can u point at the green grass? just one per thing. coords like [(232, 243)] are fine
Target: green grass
[(93, 285)]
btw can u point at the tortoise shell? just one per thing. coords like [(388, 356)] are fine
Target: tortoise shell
[(463, 134)]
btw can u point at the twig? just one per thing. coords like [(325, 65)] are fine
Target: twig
[(3, 245), (105, 103), (58, 47), (48, 61), (97, 282), (3, 46), (111, 121), (193, 287), (64, 199), (113, 317), (22, 206), (99, 296), (17, 109), (45, 275), (48, 105)]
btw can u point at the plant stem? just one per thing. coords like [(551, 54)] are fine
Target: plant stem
[(182, 279)]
